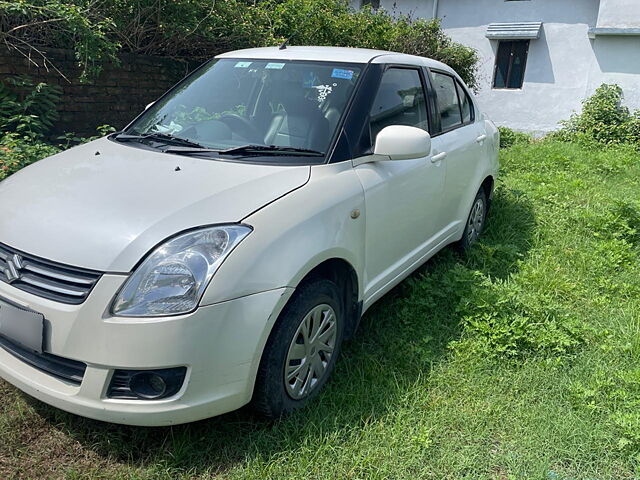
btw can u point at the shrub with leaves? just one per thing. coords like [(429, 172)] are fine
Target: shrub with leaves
[(27, 112), (334, 22), (509, 137), (30, 26), (200, 29), (27, 108), (18, 151), (604, 119)]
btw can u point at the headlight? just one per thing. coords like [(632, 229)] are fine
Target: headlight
[(173, 278)]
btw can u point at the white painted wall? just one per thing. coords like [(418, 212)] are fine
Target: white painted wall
[(564, 66), (619, 14)]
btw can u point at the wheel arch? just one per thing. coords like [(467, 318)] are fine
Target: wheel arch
[(343, 274), (487, 185), (336, 269)]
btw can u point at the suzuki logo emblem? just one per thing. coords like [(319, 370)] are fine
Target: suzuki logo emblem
[(14, 265)]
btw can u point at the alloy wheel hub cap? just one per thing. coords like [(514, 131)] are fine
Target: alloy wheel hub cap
[(310, 351), (476, 219)]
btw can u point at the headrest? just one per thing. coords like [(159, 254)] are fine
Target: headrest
[(293, 98)]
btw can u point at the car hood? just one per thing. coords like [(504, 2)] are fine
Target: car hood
[(104, 205)]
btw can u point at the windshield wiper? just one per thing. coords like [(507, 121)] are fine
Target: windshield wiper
[(272, 149), (256, 149), (163, 137)]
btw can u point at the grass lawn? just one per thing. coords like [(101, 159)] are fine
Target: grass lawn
[(517, 362)]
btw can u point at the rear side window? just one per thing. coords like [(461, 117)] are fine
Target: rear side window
[(465, 104), (448, 104), (400, 101)]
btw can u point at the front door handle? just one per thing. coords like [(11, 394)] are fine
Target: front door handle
[(438, 157), (481, 138)]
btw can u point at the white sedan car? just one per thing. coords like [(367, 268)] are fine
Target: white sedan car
[(219, 250)]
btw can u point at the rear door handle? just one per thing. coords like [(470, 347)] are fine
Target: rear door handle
[(438, 157), (481, 138)]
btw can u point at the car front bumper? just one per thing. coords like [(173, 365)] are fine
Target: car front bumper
[(220, 345)]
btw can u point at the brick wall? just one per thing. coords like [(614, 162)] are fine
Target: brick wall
[(115, 97)]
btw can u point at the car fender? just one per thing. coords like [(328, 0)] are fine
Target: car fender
[(322, 220)]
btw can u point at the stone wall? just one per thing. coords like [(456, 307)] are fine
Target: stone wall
[(114, 97)]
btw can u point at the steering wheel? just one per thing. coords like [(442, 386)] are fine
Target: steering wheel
[(242, 127)]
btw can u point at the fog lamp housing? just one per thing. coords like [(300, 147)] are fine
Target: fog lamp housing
[(146, 384)]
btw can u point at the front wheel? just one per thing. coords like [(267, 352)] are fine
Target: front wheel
[(301, 351), (475, 221)]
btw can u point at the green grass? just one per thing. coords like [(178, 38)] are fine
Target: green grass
[(519, 361)]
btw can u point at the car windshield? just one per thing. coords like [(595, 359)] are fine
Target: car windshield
[(262, 106)]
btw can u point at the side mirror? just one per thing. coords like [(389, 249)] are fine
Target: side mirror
[(402, 142)]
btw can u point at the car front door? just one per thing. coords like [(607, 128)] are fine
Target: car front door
[(460, 143), (402, 197)]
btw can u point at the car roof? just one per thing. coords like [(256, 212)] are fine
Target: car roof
[(334, 54)]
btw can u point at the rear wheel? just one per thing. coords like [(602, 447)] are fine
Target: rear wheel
[(475, 221), (302, 349)]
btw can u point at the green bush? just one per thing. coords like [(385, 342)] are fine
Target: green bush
[(334, 22), (603, 120), (199, 29), (509, 138), (17, 151), (27, 112), (30, 25), (27, 108)]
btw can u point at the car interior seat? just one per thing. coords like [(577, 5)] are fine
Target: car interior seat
[(300, 124)]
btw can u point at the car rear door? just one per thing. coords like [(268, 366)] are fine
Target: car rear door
[(459, 141)]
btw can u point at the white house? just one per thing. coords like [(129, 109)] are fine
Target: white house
[(540, 58)]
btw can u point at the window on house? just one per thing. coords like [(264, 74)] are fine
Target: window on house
[(400, 101), (511, 61)]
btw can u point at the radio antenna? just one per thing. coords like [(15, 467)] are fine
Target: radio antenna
[(284, 44)]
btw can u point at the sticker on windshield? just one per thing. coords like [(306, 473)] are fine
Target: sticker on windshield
[(275, 66), (340, 73), (242, 65), (324, 91)]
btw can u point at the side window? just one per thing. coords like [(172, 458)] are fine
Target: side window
[(400, 101), (467, 105), (448, 105)]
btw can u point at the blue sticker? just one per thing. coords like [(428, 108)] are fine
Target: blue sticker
[(275, 66), (242, 64), (340, 73)]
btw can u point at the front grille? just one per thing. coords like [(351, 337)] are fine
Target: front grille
[(44, 278), (69, 370)]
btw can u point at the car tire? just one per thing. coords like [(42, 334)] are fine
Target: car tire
[(290, 350), (475, 221)]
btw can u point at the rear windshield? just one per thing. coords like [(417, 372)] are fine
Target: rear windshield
[(235, 102)]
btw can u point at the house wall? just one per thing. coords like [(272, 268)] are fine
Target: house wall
[(564, 65), (619, 14)]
